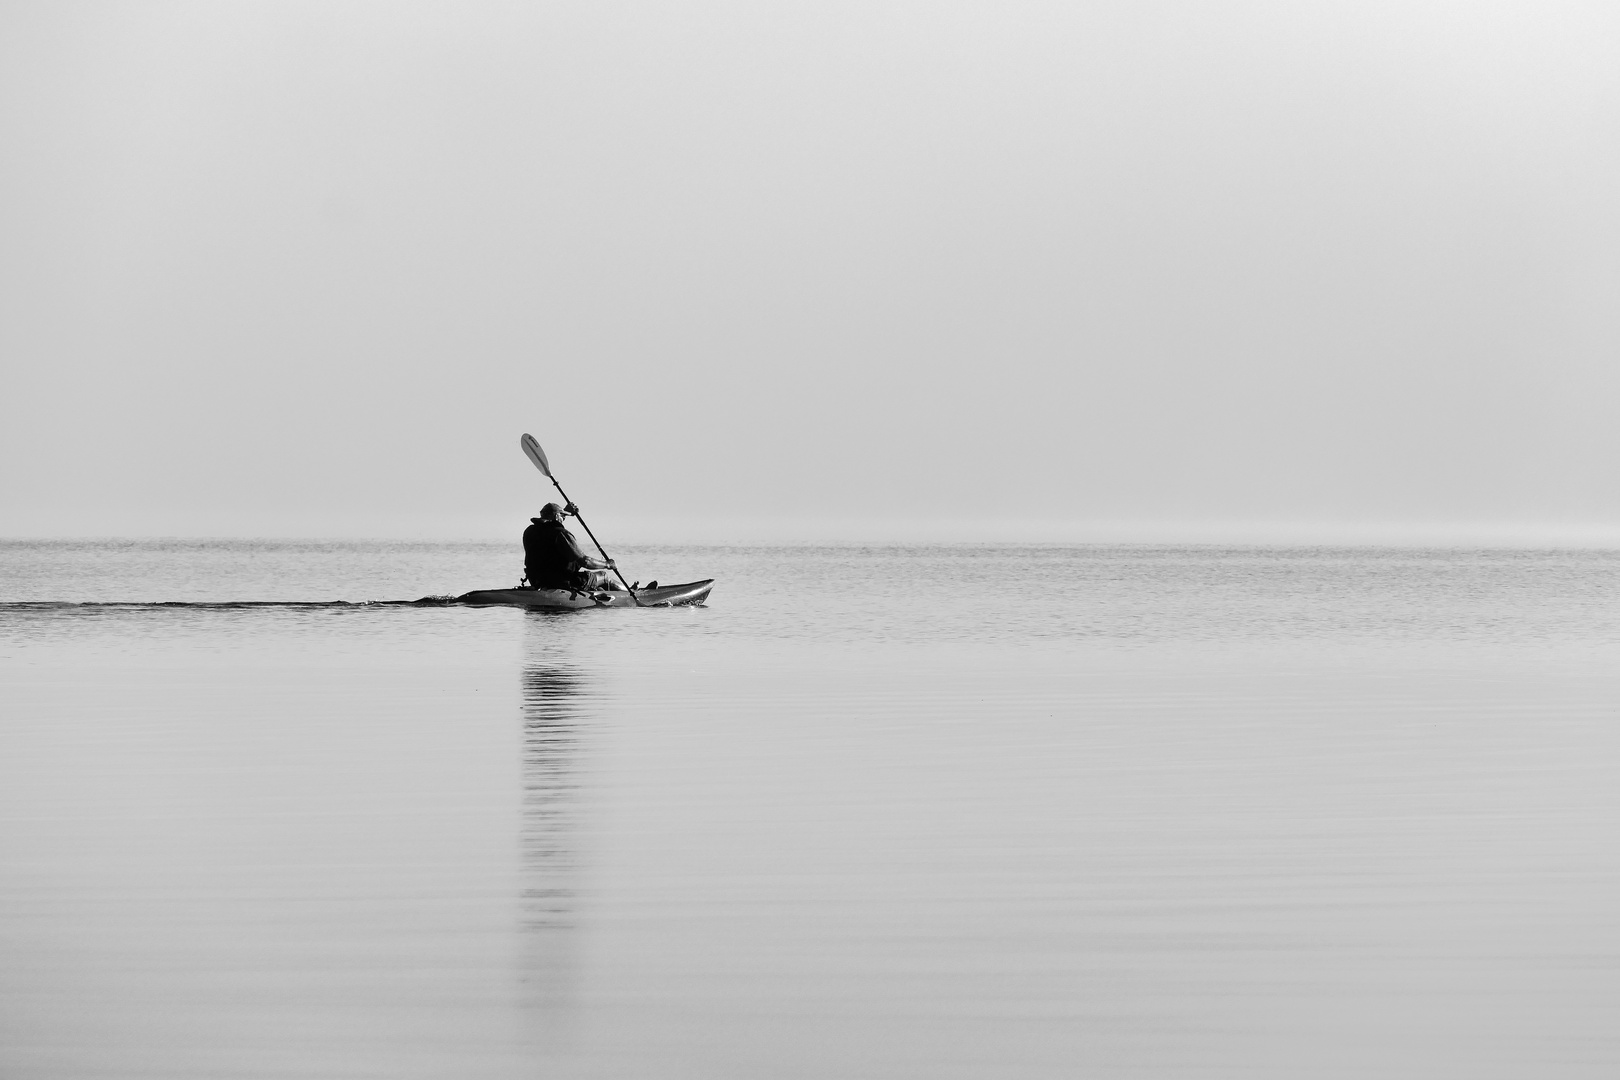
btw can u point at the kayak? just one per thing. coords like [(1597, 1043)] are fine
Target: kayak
[(693, 592)]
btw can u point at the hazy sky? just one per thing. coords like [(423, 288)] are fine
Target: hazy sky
[(312, 268)]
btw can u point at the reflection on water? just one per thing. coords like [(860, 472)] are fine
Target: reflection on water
[(558, 701), (553, 705)]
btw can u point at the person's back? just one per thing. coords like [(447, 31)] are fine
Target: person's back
[(552, 558)]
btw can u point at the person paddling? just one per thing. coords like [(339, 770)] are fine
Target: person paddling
[(552, 558)]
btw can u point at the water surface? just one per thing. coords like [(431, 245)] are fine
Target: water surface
[(872, 812)]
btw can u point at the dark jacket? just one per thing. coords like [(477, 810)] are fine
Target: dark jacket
[(551, 556)]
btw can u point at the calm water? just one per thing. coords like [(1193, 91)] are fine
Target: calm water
[(873, 812)]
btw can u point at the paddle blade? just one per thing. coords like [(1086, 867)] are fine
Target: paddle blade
[(536, 455)]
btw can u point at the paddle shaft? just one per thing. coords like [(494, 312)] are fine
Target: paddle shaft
[(570, 502)]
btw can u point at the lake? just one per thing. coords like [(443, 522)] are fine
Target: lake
[(956, 811)]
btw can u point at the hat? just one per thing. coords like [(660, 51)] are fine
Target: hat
[(550, 512)]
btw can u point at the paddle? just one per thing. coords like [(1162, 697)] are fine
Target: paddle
[(538, 456)]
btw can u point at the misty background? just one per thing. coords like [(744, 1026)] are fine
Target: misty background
[(1022, 270)]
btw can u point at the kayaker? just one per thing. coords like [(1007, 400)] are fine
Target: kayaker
[(552, 558)]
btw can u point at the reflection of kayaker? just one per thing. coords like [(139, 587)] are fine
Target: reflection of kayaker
[(553, 559)]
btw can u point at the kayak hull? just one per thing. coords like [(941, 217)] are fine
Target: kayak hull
[(687, 595)]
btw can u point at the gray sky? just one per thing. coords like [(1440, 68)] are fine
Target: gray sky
[(1112, 269)]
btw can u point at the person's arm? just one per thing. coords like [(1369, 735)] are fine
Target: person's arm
[(584, 561)]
